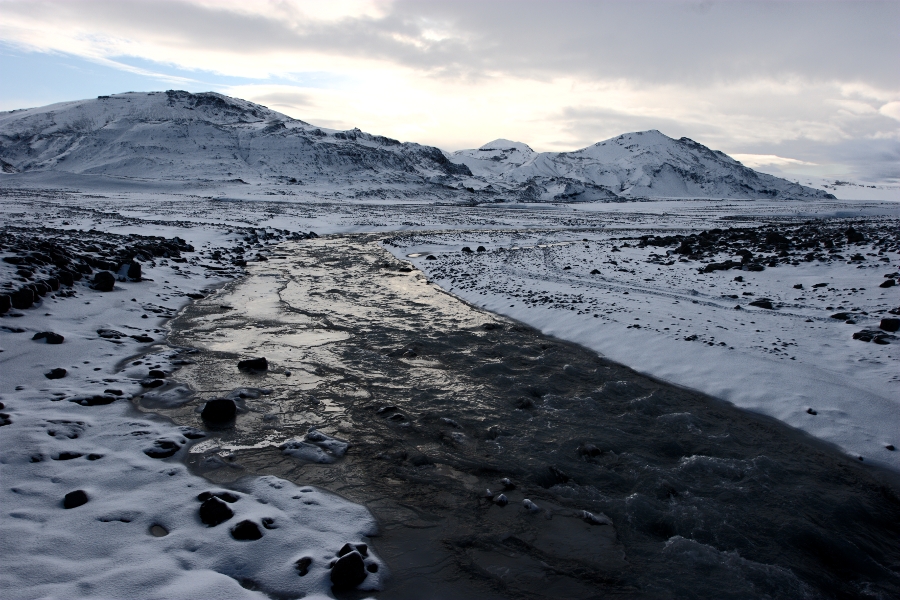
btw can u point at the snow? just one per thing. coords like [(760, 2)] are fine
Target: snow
[(105, 548)]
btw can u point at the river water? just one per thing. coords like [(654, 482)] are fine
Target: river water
[(440, 401)]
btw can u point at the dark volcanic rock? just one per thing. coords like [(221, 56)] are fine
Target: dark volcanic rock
[(49, 336), (221, 495), (5, 304), (57, 373), (254, 364), (219, 410), (348, 572), (162, 449), (75, 499), (134, 271), (246, 531), (104, 281), (763, 303), (887, 283), (110, 334), (873, 335), (891, 325), (302, 565), (96, 400), (22, 298), (213, 512)]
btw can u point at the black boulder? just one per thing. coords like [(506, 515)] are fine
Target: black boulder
[(219, 410), (348, 572)]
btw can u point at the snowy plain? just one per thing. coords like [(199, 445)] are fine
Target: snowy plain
[(774, 362)]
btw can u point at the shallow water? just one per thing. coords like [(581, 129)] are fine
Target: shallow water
[(440, 400)]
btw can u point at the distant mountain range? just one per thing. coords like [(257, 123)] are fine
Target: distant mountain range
[(204, 141)]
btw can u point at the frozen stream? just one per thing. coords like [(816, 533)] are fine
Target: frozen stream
[(691, 497)]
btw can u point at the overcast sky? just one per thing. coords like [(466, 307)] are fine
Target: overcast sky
[(791, 88)]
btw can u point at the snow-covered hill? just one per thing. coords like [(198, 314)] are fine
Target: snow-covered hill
[(633, 165), (209, 140), (214, 139)]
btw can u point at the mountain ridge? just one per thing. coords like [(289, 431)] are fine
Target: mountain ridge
[(209, 140)]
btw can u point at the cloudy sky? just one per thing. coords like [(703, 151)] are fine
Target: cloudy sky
[(796, 88)]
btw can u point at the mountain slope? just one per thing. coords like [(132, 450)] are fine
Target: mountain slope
[(208, 140), (213, 138), (641, 164)]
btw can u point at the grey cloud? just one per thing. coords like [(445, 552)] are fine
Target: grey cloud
[(656, 42)]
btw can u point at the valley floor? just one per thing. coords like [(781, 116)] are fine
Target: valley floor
[(647, 307)]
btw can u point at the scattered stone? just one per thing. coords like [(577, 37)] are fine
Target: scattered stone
[(110, 334), (5, 303), (192, 433), (890, 447), (467, 250), (75, 499), (810, 411), (507, 484), (348, 572), (889, 324), (152, 383), (530, 506), (302, 565), (431, 257), (163, 448), (246, 531), (57, 373), (589, 450), (49, 337), (221, 495), (592, 519), (481, 249), (763, 303), (157, 530), (214, 512), (841, 316), (95, 400), (254, 364), (501, 500), (887, 283), (104, 281), (144, 339), (363, 549), (22, 298), (873, 335), (799, 286), (219, 410)]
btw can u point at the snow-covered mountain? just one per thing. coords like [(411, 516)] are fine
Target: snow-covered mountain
[(632, 165), (213, 139), (209, 141)]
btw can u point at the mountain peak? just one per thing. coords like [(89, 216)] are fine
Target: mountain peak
[(504, 144)]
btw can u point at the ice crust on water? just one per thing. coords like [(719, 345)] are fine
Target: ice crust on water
[(316, 447), (105, 548)]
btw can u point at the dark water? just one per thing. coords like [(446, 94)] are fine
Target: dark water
[(693, 498)]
